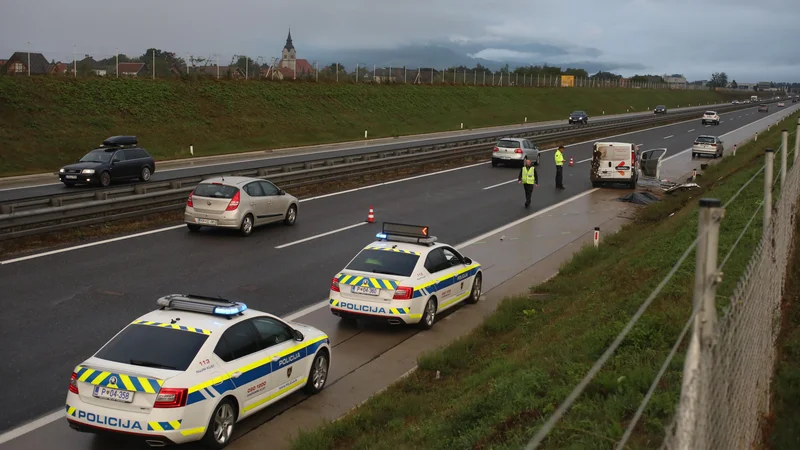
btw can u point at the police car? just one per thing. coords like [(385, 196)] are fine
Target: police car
[(192, 369), (404, 278)]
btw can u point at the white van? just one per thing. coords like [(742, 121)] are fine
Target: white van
[(621, 162)]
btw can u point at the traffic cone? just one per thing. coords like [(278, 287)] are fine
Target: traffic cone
[(371, 215), (571, 161)]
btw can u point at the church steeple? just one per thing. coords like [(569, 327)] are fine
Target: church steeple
[(289, 45)]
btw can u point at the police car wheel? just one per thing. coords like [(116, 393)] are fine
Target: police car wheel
[(475, 295), (428, 315), (220, 426), (318, 374)]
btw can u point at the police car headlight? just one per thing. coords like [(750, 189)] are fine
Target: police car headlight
[(61, 170), (87, 171)]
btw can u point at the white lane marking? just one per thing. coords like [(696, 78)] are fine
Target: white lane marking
[(690, 130), (29, 187), (31, 426), (120, 238), (707, 126), (583, 161), (317, 236), (499, 184), (305, 311), (667, 137), (91, 244)]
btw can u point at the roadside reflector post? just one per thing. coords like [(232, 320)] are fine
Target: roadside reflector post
[(596, 238), (756, 137), (694, 174), (798, 121), (734, 149), (784, 154), (769, 159), (462, 125), (191, 149), (365, 134)]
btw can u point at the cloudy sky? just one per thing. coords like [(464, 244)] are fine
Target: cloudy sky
[(750, 40)]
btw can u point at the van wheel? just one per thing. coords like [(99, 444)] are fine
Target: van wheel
[(632, 184), (596, 184)]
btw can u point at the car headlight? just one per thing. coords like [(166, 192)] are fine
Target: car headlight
[(87, 171), (61, 171)]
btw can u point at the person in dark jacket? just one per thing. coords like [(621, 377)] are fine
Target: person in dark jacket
[(528, 178)]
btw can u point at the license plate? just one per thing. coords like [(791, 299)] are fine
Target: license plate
[(71, 177), (366, 290), (115, 395), (505, 157), (206, 221)]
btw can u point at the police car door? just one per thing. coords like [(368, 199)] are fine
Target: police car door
[(442, 271), (461, 281), (289, 363)]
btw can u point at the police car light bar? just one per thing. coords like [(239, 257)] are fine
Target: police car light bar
[(202, 304), (399, 232)]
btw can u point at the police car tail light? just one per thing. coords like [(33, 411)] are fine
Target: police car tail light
[(171, 398), (335, 284), (518, 151), (189, 202), (403, 293), (234, 202), (73, 383)]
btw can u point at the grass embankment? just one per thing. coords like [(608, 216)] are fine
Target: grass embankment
[(47, 122), (784, 423), (502, 381)]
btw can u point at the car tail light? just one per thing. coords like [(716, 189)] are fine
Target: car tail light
[(171, 398), (189, 202), (518, 151), (335, 284), (403, 293), (73, 383), (234, 202), (496, 149), (633, 158)]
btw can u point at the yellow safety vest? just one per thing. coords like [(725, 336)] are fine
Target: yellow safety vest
[(559, 158), (528, 175)]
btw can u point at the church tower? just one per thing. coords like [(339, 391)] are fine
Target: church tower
[(289, 55)]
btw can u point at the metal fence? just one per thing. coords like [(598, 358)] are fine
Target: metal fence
[(158, 64), (730, 362)]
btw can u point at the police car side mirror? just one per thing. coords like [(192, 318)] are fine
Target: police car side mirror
[(298, 336), (467, 260)]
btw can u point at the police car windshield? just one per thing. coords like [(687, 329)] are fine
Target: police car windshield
[(100, 155), (384, 262), (151, 346)]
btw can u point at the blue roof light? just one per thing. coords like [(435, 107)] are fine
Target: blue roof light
[(381, 236), (230, 310)]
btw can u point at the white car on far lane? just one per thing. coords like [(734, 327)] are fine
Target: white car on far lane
[(710, 117), (404, 278), (193, 369)]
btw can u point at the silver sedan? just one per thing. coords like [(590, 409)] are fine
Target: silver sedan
[(238, 203)]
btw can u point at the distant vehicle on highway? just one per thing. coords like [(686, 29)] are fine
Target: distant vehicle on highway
[(780, 104), (710, 117), (794, 99), (404, 278), (660, 109), (614, 162), (735, 102), (515, 150), (239, 203), (190, 370), (763, 107), (579, 117), (118, 158), (707, 145)]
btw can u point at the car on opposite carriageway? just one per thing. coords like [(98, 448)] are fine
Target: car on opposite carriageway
[(405, 277), (239, 203), (118, 158), (192, 369)]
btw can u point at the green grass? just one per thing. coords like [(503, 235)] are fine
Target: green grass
[(502, 381), (785, 418), (47, 122)]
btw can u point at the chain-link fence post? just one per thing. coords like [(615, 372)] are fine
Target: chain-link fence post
[(769, 160), (784, 154), (692, 422)]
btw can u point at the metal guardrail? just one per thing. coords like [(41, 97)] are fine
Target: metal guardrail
[(63, 211)]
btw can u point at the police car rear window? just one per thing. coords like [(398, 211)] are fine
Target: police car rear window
[(150, 346), (215, 190), (384, 262)]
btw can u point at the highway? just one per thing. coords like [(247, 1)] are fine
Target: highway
[(67, 304), (182, 169)]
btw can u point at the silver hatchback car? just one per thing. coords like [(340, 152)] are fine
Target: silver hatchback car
[(238, 203), (515, 150)]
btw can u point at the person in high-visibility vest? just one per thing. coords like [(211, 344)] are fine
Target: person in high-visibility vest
[(527, 178), (560, 167)]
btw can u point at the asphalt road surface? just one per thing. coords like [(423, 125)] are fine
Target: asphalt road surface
[(62, 307)]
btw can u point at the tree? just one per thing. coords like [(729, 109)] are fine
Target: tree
[(734, 84), (718, 79)]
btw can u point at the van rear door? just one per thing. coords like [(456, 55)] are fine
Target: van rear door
[(614, 161)]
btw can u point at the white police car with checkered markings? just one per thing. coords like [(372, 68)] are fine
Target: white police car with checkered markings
[(405, 277), (192, 369)]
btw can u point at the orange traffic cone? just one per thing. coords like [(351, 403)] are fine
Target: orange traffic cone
[(371, 215), (571, 161)]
